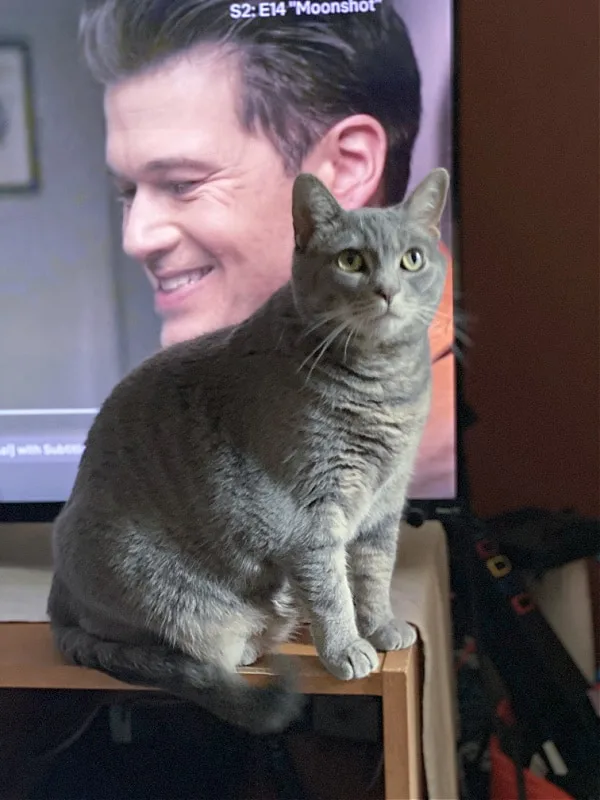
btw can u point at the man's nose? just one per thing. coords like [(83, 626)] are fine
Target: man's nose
[(148, 229)]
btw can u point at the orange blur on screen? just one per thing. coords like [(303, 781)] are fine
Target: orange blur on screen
[(435, 469)]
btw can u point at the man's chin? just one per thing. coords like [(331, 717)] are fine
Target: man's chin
[(176, 330), (182, 327), (173, 332)]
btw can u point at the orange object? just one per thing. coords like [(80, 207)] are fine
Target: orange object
[(503, 782)]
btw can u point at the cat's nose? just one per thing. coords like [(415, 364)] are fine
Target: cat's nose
[(387, 295)]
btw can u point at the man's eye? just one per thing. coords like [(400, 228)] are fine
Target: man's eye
[(125, 196), (181, 188)]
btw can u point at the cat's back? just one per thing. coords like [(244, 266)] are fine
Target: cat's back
[(189, 376), (143, 436), (162, 386), (168, 424)]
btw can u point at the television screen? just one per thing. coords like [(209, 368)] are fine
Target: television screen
[(145, 195)]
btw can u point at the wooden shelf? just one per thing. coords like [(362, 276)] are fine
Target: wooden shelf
[(29, 660)]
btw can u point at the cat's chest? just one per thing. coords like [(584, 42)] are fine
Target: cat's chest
[(363, 455), (378, 435), (375, 457)]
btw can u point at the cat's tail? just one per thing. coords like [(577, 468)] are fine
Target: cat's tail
[(226, 694)]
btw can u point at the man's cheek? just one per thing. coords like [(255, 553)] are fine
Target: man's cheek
[(221, 234)]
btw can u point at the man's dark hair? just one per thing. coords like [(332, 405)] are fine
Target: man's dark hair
[(300, 73)]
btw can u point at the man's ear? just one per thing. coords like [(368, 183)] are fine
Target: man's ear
[(426, 202), (350, 160), (312, 206)]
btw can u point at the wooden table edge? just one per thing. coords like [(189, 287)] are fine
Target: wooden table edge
[(27, 673)]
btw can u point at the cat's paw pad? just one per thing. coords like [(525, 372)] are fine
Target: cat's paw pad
[(357, 660), (394, 635)]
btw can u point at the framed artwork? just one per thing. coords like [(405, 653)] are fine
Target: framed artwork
[(18, 162)]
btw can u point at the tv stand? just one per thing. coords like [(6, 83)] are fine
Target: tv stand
[(415, 684), (29, 661)]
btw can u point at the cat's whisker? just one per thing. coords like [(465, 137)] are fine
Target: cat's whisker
[(338, 332), (457, 322), (324, 346), (326, 343), (323, 319), (330, 340), (438, 325), (364, 309), (460, 338), (351, 333), (463, 337), (426, 316), (312, 352)]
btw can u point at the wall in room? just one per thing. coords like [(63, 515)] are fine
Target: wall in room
[(88, 311), (530, 261), (57, 304), (75, 314)]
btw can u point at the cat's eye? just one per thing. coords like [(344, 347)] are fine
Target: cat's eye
[(350, 261), (413, 260)]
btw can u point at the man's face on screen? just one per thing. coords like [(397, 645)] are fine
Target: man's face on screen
[(206, 205)]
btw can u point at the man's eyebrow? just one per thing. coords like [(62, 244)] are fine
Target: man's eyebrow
[(167, 164), (180, 162)]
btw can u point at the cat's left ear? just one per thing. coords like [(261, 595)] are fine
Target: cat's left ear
[(312, 205), (426, 203)]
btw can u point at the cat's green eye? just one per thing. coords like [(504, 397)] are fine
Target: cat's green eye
[(413, 260), (350, 261)]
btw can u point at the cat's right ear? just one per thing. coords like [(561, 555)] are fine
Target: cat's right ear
[(312, 205), (426, 203)]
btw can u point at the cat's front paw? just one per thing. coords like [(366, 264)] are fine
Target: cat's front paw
[(357, 660), (393, 636), (252, 652)]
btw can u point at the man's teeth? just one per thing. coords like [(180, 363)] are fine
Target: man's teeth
[(177, 281)]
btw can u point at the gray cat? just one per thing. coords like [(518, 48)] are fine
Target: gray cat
[(230, 481)]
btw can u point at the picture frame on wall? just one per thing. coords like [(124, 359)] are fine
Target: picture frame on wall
[(18, 161)]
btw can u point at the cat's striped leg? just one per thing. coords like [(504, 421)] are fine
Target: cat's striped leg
[(319, 574), (372, 556)]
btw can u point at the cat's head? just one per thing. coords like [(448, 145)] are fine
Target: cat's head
[(379, 272)]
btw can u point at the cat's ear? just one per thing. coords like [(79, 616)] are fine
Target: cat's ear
[(312, 205), (425, 204)]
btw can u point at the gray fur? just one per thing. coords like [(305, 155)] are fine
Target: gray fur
[(232, 480)]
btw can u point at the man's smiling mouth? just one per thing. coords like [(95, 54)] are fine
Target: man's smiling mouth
[(171, 283)]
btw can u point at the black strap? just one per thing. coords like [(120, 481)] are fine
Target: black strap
[(547, 690)]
